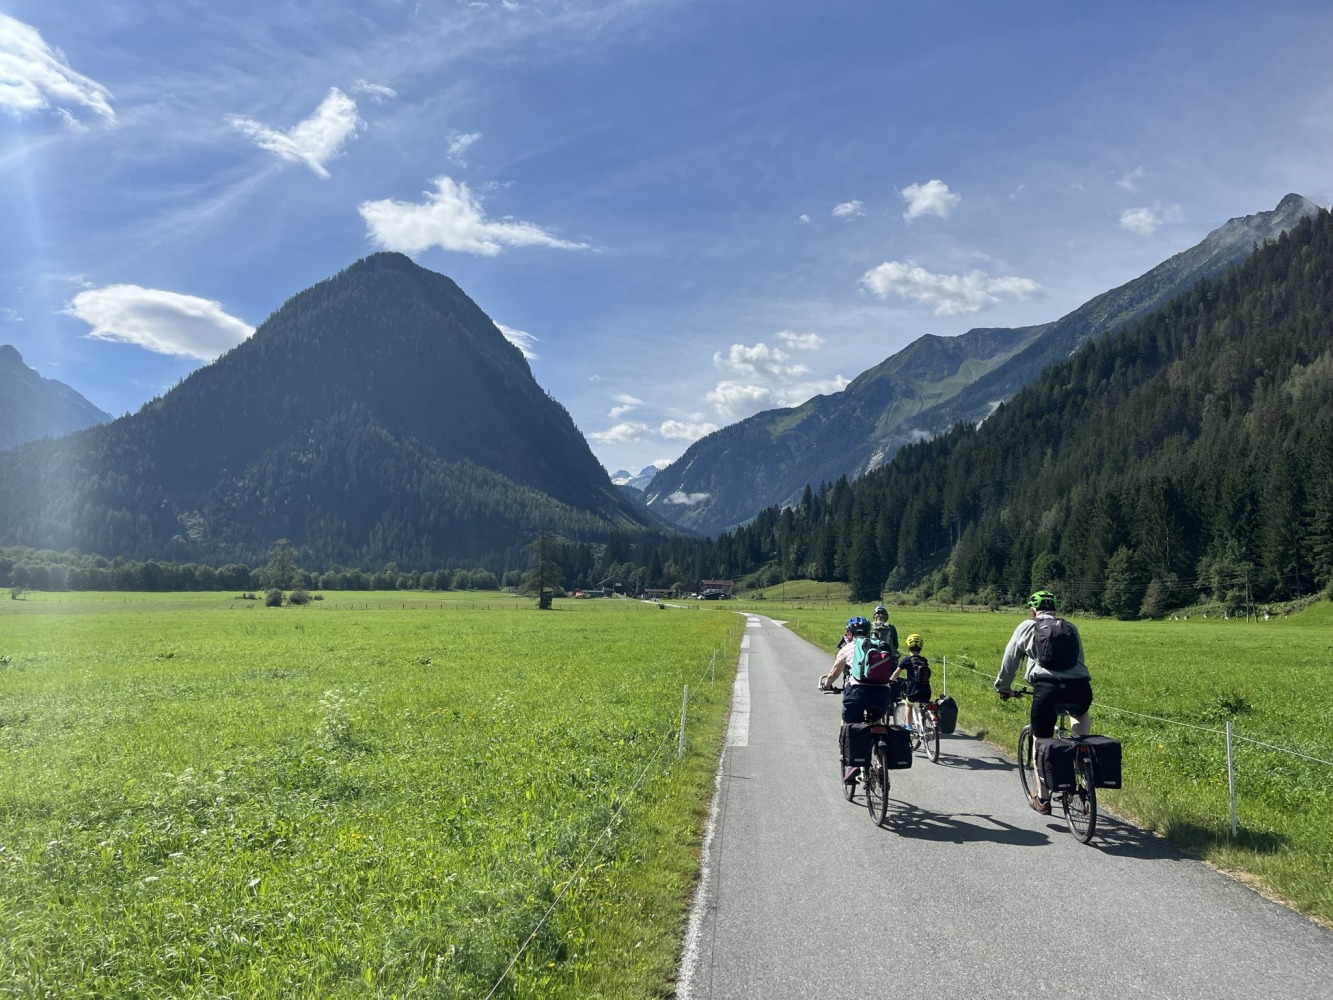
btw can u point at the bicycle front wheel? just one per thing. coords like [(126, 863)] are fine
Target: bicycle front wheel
[(877, 784), (1080, 805), (1027, 762), (930, 733)]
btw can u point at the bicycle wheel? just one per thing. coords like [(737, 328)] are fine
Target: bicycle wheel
[(848, 787), (877, 785), (930, 733), (1080, 805), (1027, 763)]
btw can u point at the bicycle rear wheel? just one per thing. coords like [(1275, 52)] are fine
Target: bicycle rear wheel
[(1027, 762), (1080, 805), (930, 733), (848, 787), (877, 784)]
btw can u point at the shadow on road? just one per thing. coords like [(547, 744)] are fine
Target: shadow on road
[(907, 820)]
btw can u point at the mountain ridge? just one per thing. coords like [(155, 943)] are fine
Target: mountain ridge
[(33, 406), (922, 391)]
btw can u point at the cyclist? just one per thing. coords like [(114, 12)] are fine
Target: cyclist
[(1051, 689), (880, 616), (859, 698), (914, 671)]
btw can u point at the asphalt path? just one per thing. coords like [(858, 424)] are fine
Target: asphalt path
[(965, 893)]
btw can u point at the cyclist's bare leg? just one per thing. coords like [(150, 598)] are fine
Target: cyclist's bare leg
[(1080, 725)]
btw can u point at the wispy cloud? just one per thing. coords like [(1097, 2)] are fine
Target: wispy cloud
[(521, 339), (1147, 220), (625, 403), (686, 430), (930, 198), (848, 210), (451, 219), (460, 143), (1130, 182), (35, 77), (801, 341), (182, 326), (946, 294), (681, 498), (377, 92), (314, 141), (621, 433)]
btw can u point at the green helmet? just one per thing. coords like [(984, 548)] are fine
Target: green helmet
[(1042, 600)]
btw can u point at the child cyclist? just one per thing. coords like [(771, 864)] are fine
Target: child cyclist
[(914, 672)]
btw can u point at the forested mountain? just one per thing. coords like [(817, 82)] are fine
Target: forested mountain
[(33, 407), (379, 416), (1190, 454), (921, 392)]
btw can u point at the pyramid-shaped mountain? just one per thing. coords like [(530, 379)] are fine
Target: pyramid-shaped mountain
[(32, 406), (934, 383), (379, 416)]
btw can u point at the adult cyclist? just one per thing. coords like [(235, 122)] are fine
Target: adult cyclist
[(880, 616), (860, 699), (1069, 688)]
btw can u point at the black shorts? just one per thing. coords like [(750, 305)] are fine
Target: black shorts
[(1050, 696), (858, 698)]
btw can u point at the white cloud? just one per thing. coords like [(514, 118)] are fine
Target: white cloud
[(625, 404), (684, 499), (1130, 182), (682, 430), (450, 219), (520, 339), (8, 315), (314, 141), (930, 198), (35, 77), (848, 210), (183, 326), (737, 400), (758, 360), (1144, 221), (460, 143), (621, 433), (798, 393), (947, 294), (801, 341), (804, 219), (377, 92)]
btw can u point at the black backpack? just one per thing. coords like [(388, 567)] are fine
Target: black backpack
[(1055, 644)]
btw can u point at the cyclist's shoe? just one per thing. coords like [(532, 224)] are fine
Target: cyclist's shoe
[(849, 775), (1042, 806)]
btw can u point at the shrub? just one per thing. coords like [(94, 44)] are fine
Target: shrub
[(273, 598)]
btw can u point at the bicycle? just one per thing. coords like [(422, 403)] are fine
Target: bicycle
[(874, 775), (1080, 802), (925, 730)]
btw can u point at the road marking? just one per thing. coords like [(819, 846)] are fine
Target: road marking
[(738, 732)]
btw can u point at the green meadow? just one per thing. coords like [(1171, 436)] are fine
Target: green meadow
[(1167, 689), (389, 795)]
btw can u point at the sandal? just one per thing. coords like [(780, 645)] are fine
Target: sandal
[(1042, 806)]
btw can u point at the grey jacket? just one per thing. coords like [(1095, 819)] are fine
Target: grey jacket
[(1020, 646)]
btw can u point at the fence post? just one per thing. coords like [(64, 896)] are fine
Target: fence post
[(1231, 780), (714, 677), (944, 664), (680, 748)]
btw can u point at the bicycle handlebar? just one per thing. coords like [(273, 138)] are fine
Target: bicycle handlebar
[(1016, 693)]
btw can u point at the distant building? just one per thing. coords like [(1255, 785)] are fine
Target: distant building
[(715, 590)]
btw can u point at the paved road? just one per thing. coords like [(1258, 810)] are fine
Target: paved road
[(967, 893)]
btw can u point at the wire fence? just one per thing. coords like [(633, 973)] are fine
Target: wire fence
[(1228, 734), (678, 737)]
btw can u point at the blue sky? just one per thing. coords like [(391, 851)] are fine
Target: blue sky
[(685, 211)]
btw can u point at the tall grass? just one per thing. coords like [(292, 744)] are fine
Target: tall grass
[(374, 795)]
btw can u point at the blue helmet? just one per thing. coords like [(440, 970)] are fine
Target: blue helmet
[(858, 626)]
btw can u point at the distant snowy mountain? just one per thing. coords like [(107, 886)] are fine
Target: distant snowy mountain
[(638, 482)]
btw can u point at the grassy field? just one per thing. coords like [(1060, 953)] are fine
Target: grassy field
[(1167, 689), (375, 795)]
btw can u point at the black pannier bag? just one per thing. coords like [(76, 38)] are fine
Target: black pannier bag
[(1055, 764), (899, 744), (948, 709), (855, 740), (1105, 760)]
